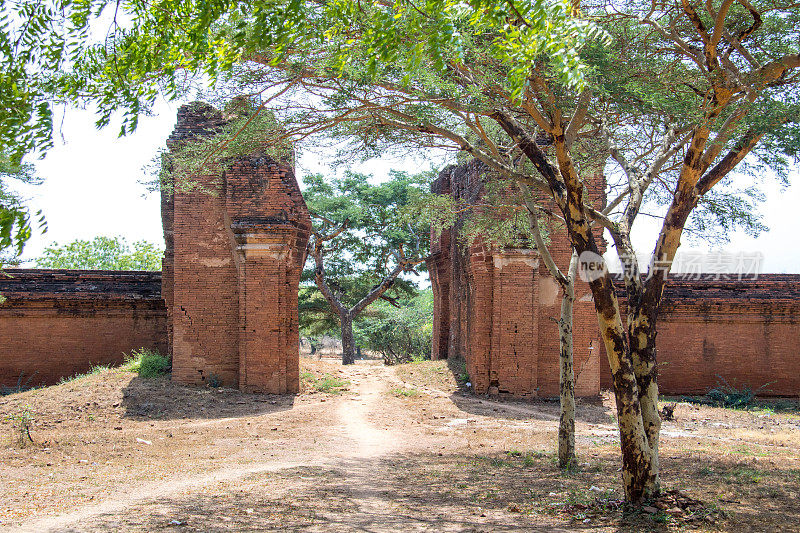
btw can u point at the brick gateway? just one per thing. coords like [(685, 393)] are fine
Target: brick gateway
[(226, 305), (497, 308)]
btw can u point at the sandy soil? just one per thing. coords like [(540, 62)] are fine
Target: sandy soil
[(400, 449)]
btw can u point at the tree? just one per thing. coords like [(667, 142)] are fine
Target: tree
[(696, 106), (360, 245), (401, 331), (16, 220), (684, 95), (102, 253)]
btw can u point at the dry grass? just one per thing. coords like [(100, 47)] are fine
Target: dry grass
[(220, 460)]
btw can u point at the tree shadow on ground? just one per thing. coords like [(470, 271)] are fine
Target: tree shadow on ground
[(163, 399), (588, 409), (500, 492)]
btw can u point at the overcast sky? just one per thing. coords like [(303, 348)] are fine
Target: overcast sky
[(93, 187)]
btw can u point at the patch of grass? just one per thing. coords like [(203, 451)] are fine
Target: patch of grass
[(744, 475), (21, 424), (326, 383), (402, 391), (459, 369), (94, 370), (750, 451), (147, 363)]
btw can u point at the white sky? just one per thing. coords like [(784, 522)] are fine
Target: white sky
[(92, 187)]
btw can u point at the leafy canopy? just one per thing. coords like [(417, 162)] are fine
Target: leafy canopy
[(367, 250), (102, 253), (16, 220), (145, 48)]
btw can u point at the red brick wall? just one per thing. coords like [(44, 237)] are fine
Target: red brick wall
[(57, 323), (235, 250), (497, 309), (746, 332)]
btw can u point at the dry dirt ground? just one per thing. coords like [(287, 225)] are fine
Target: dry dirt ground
[(399, 449)]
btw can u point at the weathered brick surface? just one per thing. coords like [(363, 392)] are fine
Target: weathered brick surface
[(235, 250), (57, 323), (498, 309), (746, 332)]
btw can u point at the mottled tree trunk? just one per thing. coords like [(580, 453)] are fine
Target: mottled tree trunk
[(566, 423), (348, 344), (566, 426), (639, 471)]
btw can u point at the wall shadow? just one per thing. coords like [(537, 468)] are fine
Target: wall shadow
[(163, 399), (588, 409)]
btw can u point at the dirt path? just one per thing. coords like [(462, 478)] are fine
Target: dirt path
[(358, 439), (400, 449)]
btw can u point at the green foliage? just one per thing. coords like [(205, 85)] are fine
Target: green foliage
[(326, 383), (725, 394), (498, 219), (316, 316), (400, 334), (93, 371), (150, 53), (246, 129), (102, 253), (21, 424), (147, 363), (23, 382), (375, 230), (367, 250), (16, 221)]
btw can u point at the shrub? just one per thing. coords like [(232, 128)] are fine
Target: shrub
[(400, 334), (725, 394), (21, 424), (21, 386), (148, 363)]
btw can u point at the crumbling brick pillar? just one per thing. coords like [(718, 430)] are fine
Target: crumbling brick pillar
[(237, 250), (515, 321), (498, 309)]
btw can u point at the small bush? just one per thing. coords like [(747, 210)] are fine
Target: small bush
[(21, 385), (400, 334), (21, 429), (148, 363), (725, 394)]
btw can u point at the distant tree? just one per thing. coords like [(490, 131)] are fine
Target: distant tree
[(360, 244), (400, 333), (102, 253)]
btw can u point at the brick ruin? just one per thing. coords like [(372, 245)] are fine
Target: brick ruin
[(57, 323), (226, 305), (235, 249), (497, 308)]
